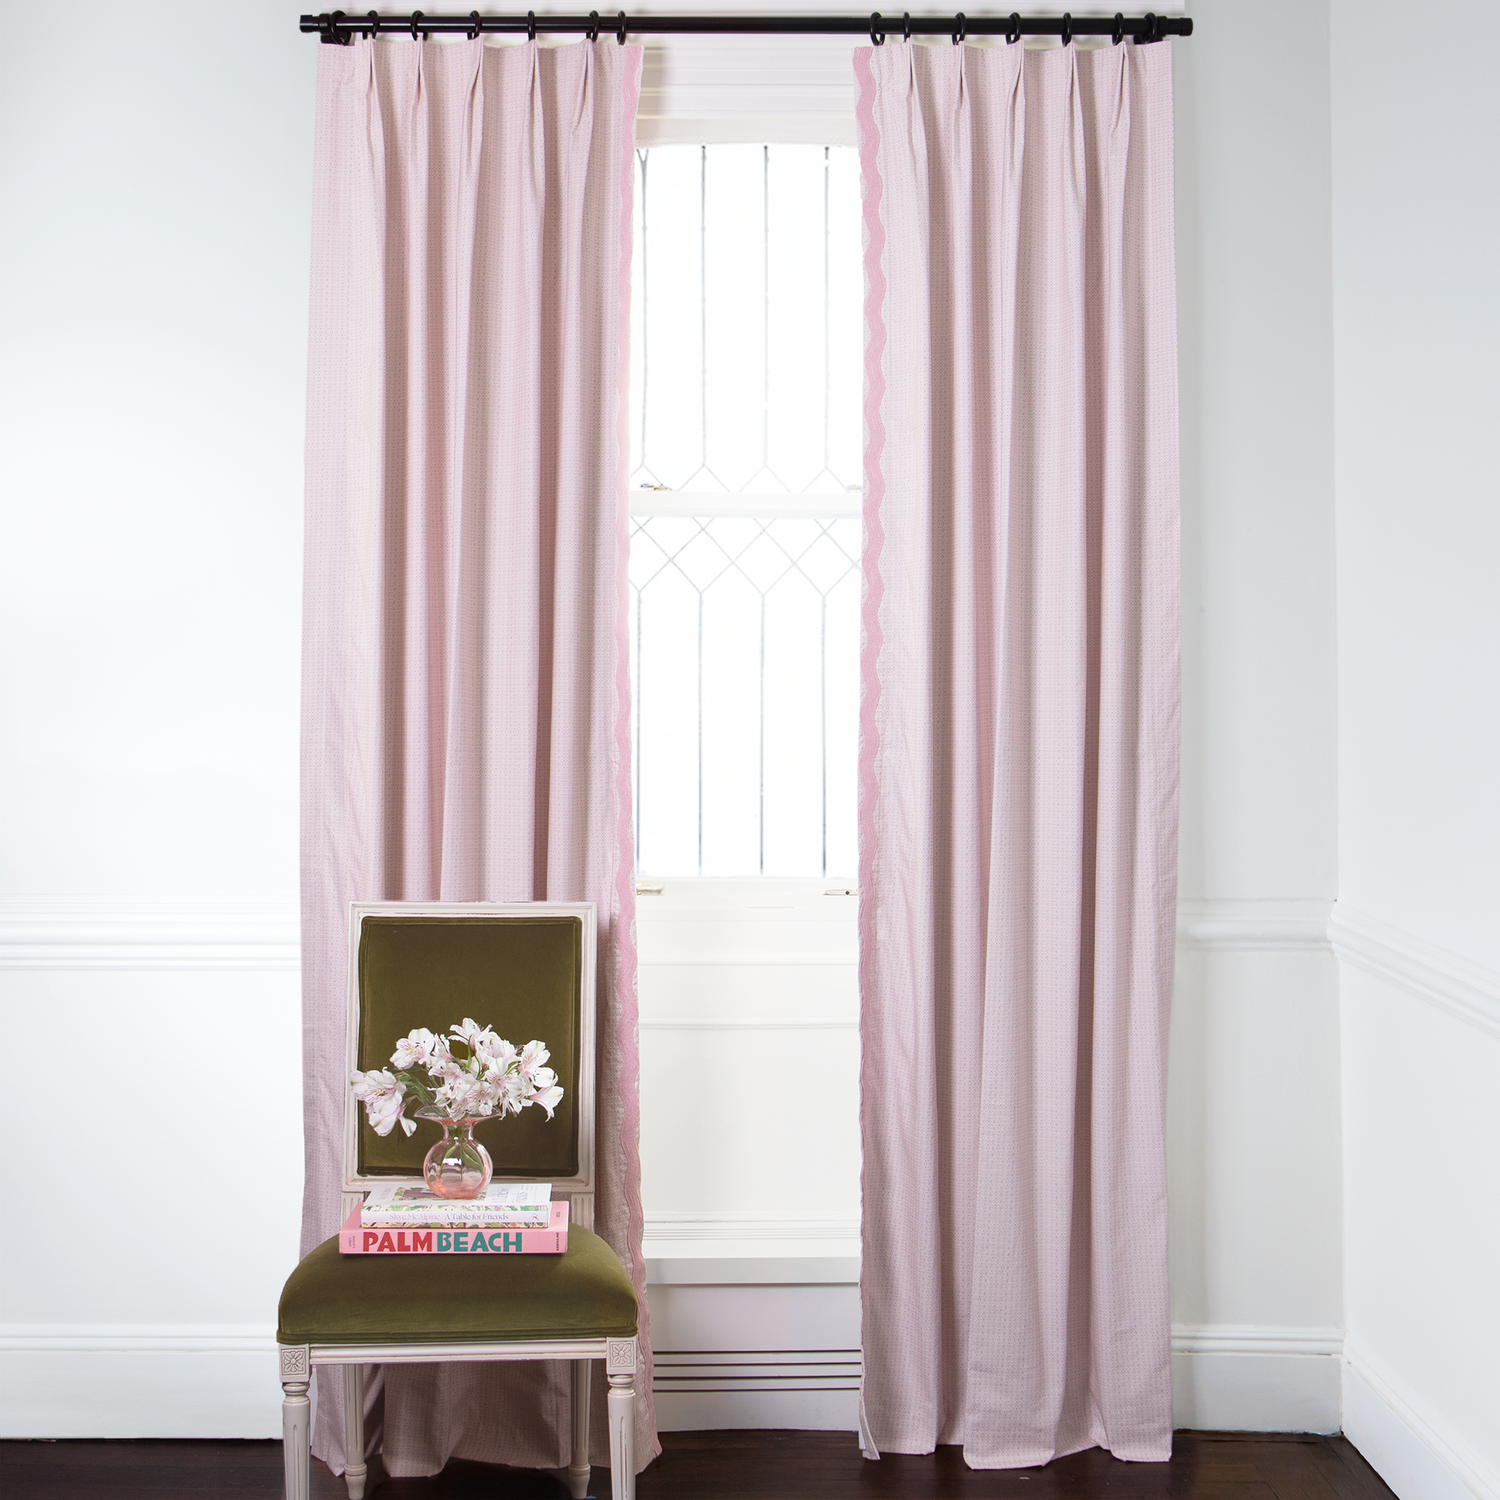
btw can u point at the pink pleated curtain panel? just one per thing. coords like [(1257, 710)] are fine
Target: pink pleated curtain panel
[(1019, 748), (465, 666)]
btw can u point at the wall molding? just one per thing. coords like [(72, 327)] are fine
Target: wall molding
[(121, 936), (790, 960), (1412, 1448), (1281, 925), (686, 1224), (1255, 1338), (242, 1338), (749, 1023), (1437, 975), (137, 1338), (85, 934)]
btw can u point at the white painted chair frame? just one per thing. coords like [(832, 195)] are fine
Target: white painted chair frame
[(619, 1355)]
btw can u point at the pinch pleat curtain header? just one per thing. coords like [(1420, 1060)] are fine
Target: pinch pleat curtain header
[(465, 724), (1019, 748)]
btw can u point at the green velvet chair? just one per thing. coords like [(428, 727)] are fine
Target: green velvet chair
[(528, 971)]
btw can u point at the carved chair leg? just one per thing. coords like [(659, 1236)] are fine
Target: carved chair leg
[(578, 1469), (354, 1430), (296, 1413), (622, 1436)]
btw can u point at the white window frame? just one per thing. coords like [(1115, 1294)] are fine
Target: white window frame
[(713, 92)]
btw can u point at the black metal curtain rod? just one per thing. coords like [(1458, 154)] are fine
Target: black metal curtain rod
[(340, 28)]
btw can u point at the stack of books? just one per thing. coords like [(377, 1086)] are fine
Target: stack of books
[(513, 1218)]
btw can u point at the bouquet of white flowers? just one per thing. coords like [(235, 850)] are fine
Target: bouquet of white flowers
[(472, 1073)]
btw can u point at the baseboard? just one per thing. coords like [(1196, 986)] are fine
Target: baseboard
[(1219, 1392), (1405, 1442), (127, 1381), (220, 1381)]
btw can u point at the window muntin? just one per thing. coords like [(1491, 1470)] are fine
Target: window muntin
[(745, 422)]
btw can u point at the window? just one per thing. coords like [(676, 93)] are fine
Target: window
[(744, 563), (746, 412)]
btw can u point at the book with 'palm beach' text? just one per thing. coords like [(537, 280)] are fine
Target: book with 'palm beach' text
[(411, 1239)]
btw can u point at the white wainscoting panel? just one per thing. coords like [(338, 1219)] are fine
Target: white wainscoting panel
[(752, 1249), (1421, 1109), (732, 1355), (1253, 1135), (749, 997), (1410, 1446)]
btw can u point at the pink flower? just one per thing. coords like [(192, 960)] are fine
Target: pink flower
[(383, 1098)]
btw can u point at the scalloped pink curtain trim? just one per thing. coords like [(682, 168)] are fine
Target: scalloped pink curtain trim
[(466, 706), (1019, 749)]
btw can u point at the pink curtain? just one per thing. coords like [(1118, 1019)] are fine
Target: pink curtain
[(1019, 748), (465, 690)]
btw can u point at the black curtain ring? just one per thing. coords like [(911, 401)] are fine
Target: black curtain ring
[(1067, 28), (374, 20), (1119, 31), (959, 28), (1013, 28), (474, 17), (1148, 29), (877, 35), (906, 27), (620, 34), (416, 16), (593, 32), (530, 25)]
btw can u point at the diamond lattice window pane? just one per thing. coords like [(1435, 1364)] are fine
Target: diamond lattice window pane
[(745, 425), (824, 561)]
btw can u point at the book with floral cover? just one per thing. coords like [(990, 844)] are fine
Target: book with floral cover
[(510, 1205), (415, 1239)]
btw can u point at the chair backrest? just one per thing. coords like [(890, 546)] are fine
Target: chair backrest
[(525, 969)]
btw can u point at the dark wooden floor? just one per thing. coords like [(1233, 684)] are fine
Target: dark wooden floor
[(724, 1466)]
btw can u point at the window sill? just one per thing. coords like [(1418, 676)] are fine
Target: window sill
[(752, 1263)]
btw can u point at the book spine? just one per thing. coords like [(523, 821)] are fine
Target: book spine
[(427, 1218), (409, 1241)]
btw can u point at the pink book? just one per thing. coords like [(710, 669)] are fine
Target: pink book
[(354, 1239)]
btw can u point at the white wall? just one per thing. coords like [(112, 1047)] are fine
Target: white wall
[(1416, 223), (157, 216), (1253, 1118), (157, 178)]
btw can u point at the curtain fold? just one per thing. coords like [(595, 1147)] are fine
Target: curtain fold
[(465, 717), (1019, 748)]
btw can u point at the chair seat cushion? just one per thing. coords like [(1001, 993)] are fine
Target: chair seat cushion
[(403, 1299)]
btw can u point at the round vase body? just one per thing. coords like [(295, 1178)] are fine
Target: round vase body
[(458, 1166)]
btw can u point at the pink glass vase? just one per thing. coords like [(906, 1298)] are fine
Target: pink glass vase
[(458, 1166)]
